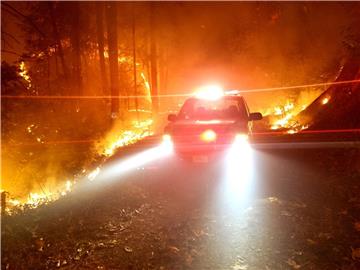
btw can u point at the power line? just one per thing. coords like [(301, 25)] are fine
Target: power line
[(256, 90)]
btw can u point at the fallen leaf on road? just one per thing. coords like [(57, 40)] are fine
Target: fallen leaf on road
[(355, 253), (311, 242), (240, 267), (343, 212), (273, 200), (199, 233), (189, 259), (357, 226), (325, 235), (101, 245), (128, 249), (293, 264), (174, 249), (40, 244), (299, 204), (285, 213)]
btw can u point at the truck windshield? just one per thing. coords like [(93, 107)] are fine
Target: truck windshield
[(224, 108)]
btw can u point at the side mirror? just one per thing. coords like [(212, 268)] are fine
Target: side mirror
[(255, 116), (172, 117)]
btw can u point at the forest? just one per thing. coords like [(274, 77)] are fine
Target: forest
[(80, 79)]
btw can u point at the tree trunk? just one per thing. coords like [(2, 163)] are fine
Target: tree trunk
[(100, 38), (111, 21), (58, 40), (76, 53), (153, 61), (134, 61)]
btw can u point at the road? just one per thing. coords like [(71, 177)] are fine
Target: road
[(293, 208)]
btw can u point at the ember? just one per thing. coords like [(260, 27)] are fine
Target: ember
[(325, 101)]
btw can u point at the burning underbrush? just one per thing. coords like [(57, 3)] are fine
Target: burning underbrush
[(281, 115), (135, 131), (55, 179), (49, 145)]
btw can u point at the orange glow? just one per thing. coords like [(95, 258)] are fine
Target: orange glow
[(208, 136)]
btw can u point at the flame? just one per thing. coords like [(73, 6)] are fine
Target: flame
[(126, 138), (283, 115), (91, 176), (286, 111), (14, 202), (283, 122), (138, 131), (30, 128), (36, 199), (24, 74), (118, 138), (278, 111), (122, 59), (146, 82), (291, 131)]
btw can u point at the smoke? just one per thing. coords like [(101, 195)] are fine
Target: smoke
[(252, 45)]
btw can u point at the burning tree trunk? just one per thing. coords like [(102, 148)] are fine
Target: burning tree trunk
[(75, 41), (111, 21), (100, 39), (153, 61)]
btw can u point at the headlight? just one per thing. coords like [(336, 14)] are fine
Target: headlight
[(167, 138)]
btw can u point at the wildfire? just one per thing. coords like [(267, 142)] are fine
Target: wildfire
[(24, 74), (127, 137), (68, 186), (91, 176), (286, 112), (283, 115), (138, 131), (286, 120), (35, 199)]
